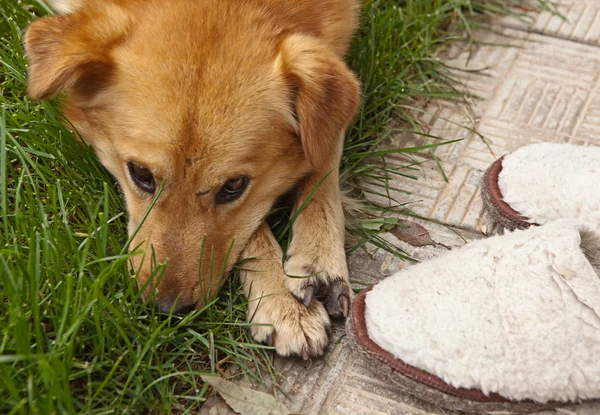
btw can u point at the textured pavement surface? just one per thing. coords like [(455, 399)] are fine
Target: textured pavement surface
[(544, 89)]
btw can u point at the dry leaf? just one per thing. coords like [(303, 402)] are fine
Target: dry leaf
[(412, 233), (216, 405), (246, 401)]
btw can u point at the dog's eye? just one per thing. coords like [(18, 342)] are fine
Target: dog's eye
[(232, 189), (142, 177)]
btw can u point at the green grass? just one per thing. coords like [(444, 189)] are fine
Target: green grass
[(74, 335), (394, 55)]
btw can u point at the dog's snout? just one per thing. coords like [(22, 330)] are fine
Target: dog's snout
[(179, 307)]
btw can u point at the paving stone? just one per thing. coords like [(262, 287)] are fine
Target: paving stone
[(579, 20)]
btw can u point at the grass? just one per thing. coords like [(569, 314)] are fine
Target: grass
[(395, 55), (74, 335)]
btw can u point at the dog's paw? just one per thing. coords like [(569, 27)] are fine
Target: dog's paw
[(289, 326), (322, 279)]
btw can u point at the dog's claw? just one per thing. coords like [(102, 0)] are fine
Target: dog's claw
[(309, 295), (304, 354), (270, 341), (345, 304), (337, 300)]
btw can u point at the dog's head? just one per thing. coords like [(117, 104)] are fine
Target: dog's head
[(224, 117)]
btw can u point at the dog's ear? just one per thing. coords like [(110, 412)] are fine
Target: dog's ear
[(72, 52), (326, 96)]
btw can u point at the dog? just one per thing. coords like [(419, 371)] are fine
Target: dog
[(222, 106)]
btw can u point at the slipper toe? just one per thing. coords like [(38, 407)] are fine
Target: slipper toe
[(543, 182), (510, 322)]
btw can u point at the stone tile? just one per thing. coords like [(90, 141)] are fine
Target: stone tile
[(363, 391), (588, 130), (578, 20), (581, 22)]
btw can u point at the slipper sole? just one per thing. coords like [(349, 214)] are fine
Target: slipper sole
[(500, 211), (425, 386)]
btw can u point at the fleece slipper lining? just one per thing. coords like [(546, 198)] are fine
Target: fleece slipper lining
[(517, 315), (361, 334), (425, 386)]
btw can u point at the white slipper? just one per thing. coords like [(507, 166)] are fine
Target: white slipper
[(543, 182), (510, 323)]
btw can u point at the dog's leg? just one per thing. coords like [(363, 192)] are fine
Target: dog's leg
[(326, 99), (317, 248), (279, 319)]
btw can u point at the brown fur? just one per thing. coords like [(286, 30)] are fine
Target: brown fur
[(200, 92)]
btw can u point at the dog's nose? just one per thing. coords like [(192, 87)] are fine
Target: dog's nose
[(178, 306)]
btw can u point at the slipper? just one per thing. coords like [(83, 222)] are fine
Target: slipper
[(540, 183), (509, 324)]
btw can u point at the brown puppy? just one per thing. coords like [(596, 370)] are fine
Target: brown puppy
[(230, 104)]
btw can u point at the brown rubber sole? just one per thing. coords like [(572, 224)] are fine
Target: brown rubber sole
[(504, 216), (425, 386)]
